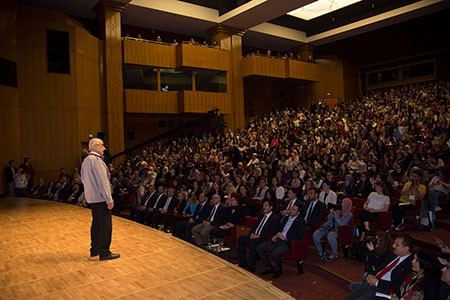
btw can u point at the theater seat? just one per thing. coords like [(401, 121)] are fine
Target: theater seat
[(299, 253)]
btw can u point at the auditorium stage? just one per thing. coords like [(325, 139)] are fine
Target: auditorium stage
[(44, 254)]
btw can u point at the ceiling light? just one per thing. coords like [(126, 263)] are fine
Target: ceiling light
[(319, 8)]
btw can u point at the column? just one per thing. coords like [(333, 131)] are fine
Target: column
[(109, 15), (230, 39), (305, 52)]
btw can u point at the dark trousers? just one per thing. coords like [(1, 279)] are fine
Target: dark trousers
[(399, 212), (101, 228), (243, 242), (278, 248), (364, 292), (183, 230)]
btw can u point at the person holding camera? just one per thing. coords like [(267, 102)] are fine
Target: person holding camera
[(330, 229), (376, 202), (379, 254), (413, 191)]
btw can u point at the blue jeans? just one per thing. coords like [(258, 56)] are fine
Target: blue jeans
[(355, 285), (332, 240), (427, 208)]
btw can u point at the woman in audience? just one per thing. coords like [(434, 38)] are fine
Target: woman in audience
[(330, 229), (363, 186), (376, 203), (424, 282)]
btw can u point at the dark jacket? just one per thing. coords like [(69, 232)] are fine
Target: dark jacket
[(398, 275), (296, 231), (270, 227), (202, 213), (317, 214), (375, 261), (234, 215), (151, 199), (173, 203)]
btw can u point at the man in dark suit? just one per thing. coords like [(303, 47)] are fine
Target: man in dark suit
[(314, 210), (154, 206), (65, 190), (391, 276), (291, 200), (201, 213), (202, 231), (292, 228), (140, 211), (161, 216), (267, 224)]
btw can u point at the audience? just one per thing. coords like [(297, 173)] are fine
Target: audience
[(382, 147)]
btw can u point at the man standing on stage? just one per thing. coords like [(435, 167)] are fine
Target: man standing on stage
[(97, 190)]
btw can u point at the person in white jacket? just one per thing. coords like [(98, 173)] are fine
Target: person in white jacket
[(97, 190)]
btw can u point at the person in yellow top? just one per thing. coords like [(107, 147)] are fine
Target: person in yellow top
[(412, 192)]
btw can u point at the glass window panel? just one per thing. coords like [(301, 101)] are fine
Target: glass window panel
[(140, 77), (176, 80), (211, 81)]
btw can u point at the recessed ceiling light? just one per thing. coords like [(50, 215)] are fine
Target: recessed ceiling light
[(319, 8)]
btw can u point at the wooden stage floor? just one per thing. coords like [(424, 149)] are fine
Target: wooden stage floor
[(44, 254)]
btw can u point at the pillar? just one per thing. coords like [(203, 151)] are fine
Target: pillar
[(305, 52), (230, 38), (109, 15)]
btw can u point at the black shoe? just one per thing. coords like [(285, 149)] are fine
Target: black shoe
[(110, 256), (243, 265), (276, 275), (94, 254), (268, 271), (251, 269)]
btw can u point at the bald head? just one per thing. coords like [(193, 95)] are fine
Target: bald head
[(96, 145)]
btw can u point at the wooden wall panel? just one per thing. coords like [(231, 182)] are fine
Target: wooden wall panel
[(263, 66), (146, 101), (302, 70), (149, 54), (197, 56), (331, 83), (90, 103), (200, 102)]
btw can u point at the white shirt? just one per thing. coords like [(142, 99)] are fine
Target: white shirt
[(331, 197), (377, 201)]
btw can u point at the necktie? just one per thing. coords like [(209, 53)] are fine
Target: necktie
[(290, 204), (156, 204), (211, 216), (310, 210), (387, 269), (258, 230)]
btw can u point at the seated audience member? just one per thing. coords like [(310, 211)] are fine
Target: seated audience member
[(391, 275), (64, 190), (313, 211), (165, 211), (412, 191), (424, 281), (154, 205), (291, 200), (380, 254), (330, 229), (40, 189), (292, 228), (376, 202), (444, 291), (348, 186), (184, 229), (363, 186), (438, 188), (232, 215), (75, 194), (50, 190), (267, 224), (140, 211), (327, 196), (202, 231), (445, 251), (261, 190)]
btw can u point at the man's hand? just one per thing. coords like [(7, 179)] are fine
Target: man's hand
[(191, 220), (281, 236), (254, 236), (371, 280), (163, 211), (206, 223), (370, 246), (394, 297), (110, 205)]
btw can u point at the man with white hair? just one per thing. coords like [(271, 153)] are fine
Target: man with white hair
[(97, 189)]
